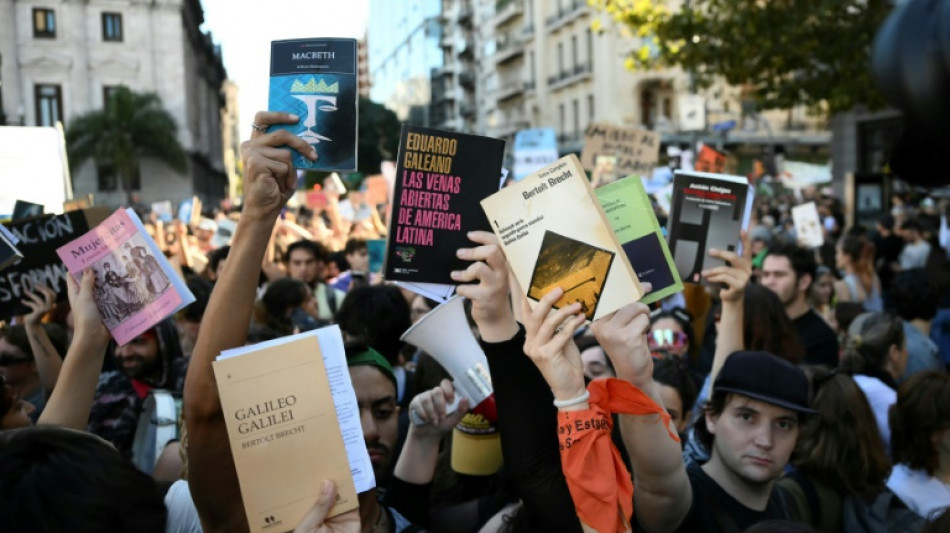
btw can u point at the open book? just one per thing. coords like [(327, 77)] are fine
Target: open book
[(293, 421)]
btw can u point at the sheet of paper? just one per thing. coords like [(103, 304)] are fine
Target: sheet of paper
[(433, 291), (344, 399)]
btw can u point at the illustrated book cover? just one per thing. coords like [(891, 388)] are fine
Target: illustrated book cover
[(293, 421), (315, 79), (136, 287), (440, 178), (555, 234), (630, 212), (707, 211)]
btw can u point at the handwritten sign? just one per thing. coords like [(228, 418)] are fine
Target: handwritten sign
[(39, 237), (637, 151)]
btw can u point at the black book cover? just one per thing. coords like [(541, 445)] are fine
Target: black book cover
[(441, 177), (9, 255), (707, 211)]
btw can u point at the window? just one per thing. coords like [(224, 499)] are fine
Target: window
[(590, 108), (560, 58), (112, 27), (49, 104), (563, 122), (574, 50), (109, 181), (577, 123), (44, 23), (108, 91), (590, 48)]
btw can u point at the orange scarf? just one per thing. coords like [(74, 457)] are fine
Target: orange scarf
[(603, 501)]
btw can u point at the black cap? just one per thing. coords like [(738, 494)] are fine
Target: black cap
[(765, 377)]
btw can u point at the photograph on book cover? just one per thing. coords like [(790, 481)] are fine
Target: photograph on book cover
[(577, 267), (605, 171), (127, 281)]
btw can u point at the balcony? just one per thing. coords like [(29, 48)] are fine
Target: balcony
[(465, 14), (467, 47), (467, 110), (570, 76), (467, 79), (529, 85), (565, 14), (527, 32), (506, 10), (508, 47), (509, 91), (444, 70)]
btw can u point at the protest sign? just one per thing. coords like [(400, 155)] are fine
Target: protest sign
[(534, 149), (637, 151)]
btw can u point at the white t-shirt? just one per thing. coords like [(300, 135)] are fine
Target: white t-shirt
[(923, 494), (881, 397), (182, 515)]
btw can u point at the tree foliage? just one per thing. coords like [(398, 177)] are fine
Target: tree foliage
[(378, 136), (787, 52), (131, 125)]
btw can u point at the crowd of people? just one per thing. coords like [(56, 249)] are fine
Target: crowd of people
[(796, 389)]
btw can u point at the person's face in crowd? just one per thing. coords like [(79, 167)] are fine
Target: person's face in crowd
[(595, 363), (897, 360), (910, 235), (356, 198), (139, 358), (303, 265), (842, 261), (667, 334), (823, 288), (418, 308), (310, 305), (779, 277), (376, 397), (756, 246), (15, 366), (674, 406), (358, 260), (753, 439), (333, 269), (204, 235), (18, 415)]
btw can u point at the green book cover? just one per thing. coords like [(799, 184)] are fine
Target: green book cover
[(631, 216)]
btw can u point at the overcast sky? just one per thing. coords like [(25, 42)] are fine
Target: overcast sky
[(245, 28)]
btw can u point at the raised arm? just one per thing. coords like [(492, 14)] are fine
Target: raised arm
[(662, 493), (71, 400), (270, 182), (733, 277), (48, 361)]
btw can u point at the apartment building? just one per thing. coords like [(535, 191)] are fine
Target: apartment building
[(59, 59)]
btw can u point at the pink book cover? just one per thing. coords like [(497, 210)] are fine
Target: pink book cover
[(133, 291)]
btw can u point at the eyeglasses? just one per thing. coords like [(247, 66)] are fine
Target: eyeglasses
[(660, 339), (7, 359)]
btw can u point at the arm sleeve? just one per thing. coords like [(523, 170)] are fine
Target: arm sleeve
[(527, 422)]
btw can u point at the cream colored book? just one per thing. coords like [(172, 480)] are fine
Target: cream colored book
[(282, 403), (555, 234)]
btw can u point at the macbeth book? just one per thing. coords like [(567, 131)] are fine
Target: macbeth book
[(630, 212), (292, 422), (555, 234), (136, 287), (315, 79), (440, 178), (707, 211)]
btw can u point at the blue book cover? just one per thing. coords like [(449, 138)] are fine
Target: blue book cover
[(316, 80)]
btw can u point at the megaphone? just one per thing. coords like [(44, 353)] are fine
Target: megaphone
[(444, 334)]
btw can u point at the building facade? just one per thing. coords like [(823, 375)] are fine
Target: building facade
[(60, 59)]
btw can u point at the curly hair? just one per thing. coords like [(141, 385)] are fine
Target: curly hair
[(922, 408)]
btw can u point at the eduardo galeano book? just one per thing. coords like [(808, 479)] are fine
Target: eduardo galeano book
[(631, 216), (707, 211), (555, 234), (315, 79), (440, 178), (136, 287), (292, 421)]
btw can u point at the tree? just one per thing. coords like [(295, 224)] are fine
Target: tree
[(131, 125), (788, 52), (378, 136)]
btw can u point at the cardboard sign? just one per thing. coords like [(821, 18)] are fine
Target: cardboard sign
[(39, 238), (637, 151), (710, 160)]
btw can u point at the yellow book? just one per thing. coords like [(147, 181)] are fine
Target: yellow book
[(278, 400)]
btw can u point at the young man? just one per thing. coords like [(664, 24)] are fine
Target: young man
[(789, 271), (307, 261), (916, 248), (356, 253)]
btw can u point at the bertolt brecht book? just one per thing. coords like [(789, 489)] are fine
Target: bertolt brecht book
[(555, 234), (315, 79), (136, 287), (440, 178), (293, 421)]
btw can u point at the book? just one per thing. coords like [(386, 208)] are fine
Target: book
[(136, 287), (631, 216), (23, 209), (440, 178), (376, 248), (293, 421), (555, 234), (707, 211), (808, 226), (315, 79), (37, 239), (9, 255)]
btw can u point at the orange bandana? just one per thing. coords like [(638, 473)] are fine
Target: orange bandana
[(602, 501)]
